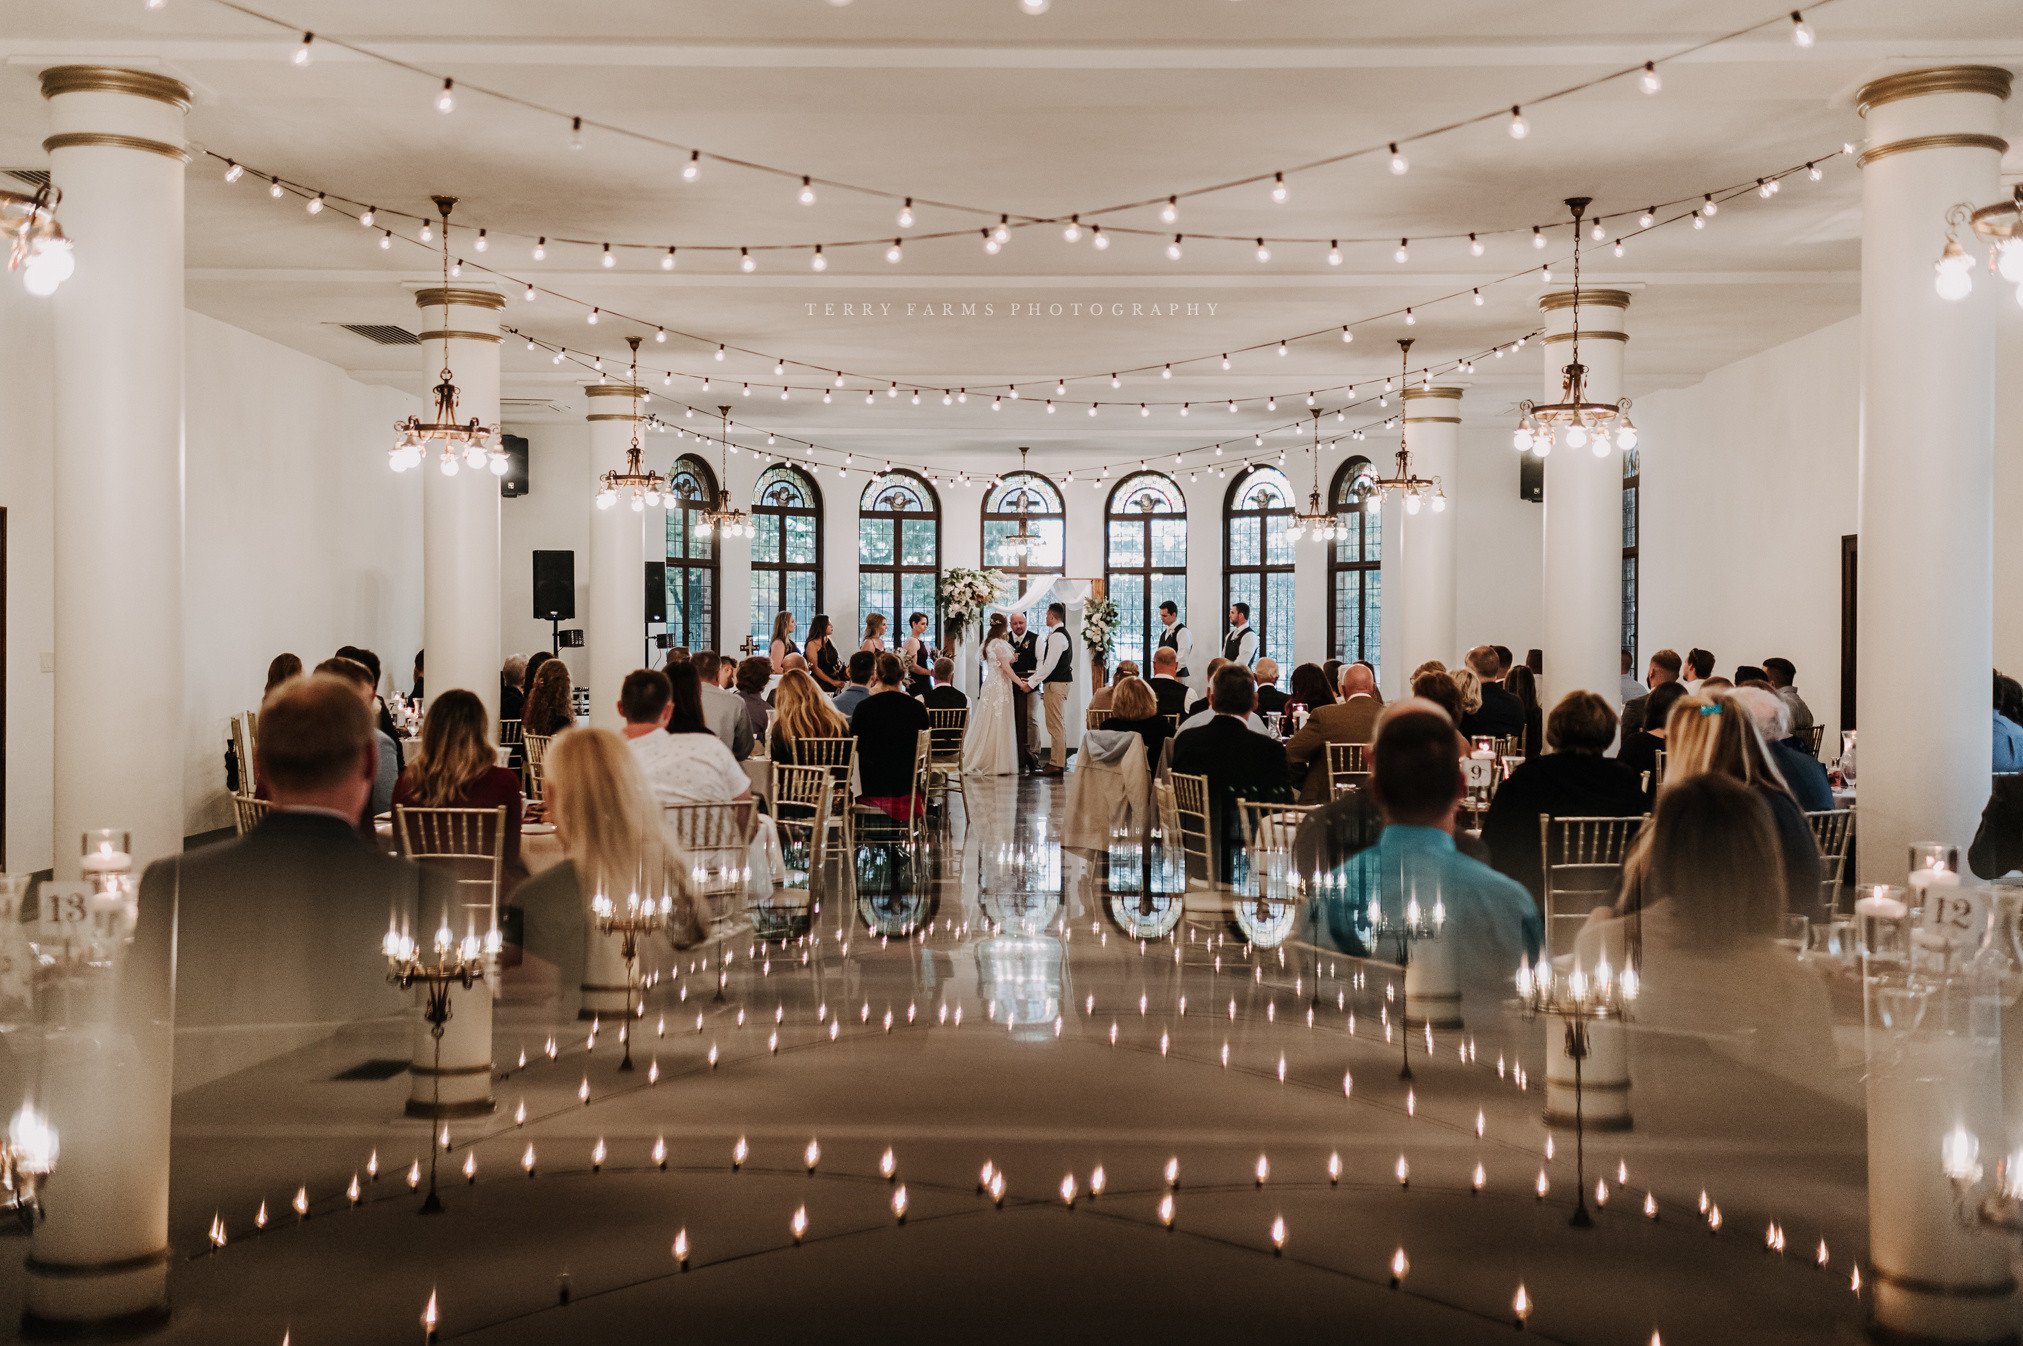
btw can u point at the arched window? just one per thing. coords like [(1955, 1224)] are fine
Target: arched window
[(691, 559), (1257, 559), (1038, 500), (1355, 575), (1144, 561), (899, 553), (786, 551)]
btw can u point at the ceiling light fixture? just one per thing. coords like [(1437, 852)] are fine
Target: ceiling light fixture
[(723, 518), (471, 441), (636, 483), (36, 245), (2001, 226), (1583, 421), (1404, 480)]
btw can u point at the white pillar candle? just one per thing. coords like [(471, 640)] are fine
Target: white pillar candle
[(461, 1084), (1927, 429), (1604, 1076), (615, 607)]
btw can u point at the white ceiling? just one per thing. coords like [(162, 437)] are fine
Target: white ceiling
[(1093, 103)]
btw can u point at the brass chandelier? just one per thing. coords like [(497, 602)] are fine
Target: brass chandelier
[(2001, 226), (642, 486), (36, 245), (1316, 518), (1415, 488), (1021, 542), (1574, 419), (722, 518), (461, 443)]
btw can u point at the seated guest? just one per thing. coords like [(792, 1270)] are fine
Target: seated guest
[(610, 829), (1640, 749), (280, 669), (388, 768), (1781, 674), (1099, 685), (533, 670), (1239, 761), (1499, 714), (1504, 661), (1100, 698), (1631, 689), (1573, 780), (1699, 668), (1416, 783), (1430, 666), (676, 654), (1522, 683), (1706, 737), (1665, 666), (800, 711), (1439, 687), (942, 693), (1998, 841), (1371, 669), (511, 698), (861, 665), (1748, 673), (1353, 719), (372, 666), (686, 764), (751, 678), (2008, 728), (1205, 713), (1270, 699), (456, 766), (1802, 771), (415, 695), (1310, 688), (1468, 689), (1135, 710), (1704, 880), (548, 711), (722, 711), (1332, 671), (1167, 688), (1710, 686), (303, 887), (1195, 707), (887, 724), (794, 663)]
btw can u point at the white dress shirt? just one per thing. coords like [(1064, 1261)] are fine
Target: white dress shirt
[(1207, 713), (1246, 644), (1052, 651), (1183, 643)]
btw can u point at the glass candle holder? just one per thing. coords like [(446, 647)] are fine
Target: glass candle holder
[(106, 850), (1882, 919)]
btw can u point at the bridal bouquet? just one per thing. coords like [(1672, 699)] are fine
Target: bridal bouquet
[(965, 593), (1099, 620)]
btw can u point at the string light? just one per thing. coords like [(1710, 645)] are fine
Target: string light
[(1399, 165), (1801, 31), (1649, 79), (1519, 128), (302, 52), (692, 170), (446, 100)]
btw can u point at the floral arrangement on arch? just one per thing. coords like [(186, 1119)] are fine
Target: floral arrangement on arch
[(1099, 621), (965, 593)]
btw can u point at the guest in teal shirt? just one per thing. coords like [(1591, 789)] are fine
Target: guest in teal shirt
[(1416, 780)]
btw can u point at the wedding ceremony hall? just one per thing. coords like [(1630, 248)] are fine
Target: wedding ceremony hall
[(1112, 670)]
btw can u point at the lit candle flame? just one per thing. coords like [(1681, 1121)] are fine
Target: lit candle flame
[(1404, 1172), (1263, 1170), (1520, 1304), (1173, 1171), (1548, 1149), (681, 1247), (1166, 1210), (712, 1056), (1821, 1255), (798, 1226), (1164, 1042), (527, 1159), (887, 1164), (1714, 1219), (217, 1231), (1068, 1191), (352, 1192), (1334, 1167), (260, 1217), (1601, 1191), (301, 1201), (414, 1176), (1479, 1178), (812, 1155), (1481, 1123), (1400, 1264), (430, 1314), (660, 1151), (1650, 1206), (1097, 1179), (597, 1153), (1542, 1186), (1281, 1067), (1278, 1233), (1854, 1280), (1225, 1056), (583, 1091), (1622, 1171), (997, 1187), (738, 1153), (372, 1166), (1703, 1201), (653, 1071), (1411, 1103), (899, 1203), (471, 1166)]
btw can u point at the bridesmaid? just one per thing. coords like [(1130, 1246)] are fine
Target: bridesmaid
[(824, 664), (874, 634), (783, 642)]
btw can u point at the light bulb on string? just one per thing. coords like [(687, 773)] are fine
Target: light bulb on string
[(1649, 79), (1279, 191), (692, 170), (446, 100), (1475, 246), (1263, 252), (1098, 240), (807, 193), (746, 262), (1404, 252), (818, 262), (1173, 249), (666, 264), (1170, 212), (607, 261), (541, 248), (1334, 252), (575, 133), (1519, 128), (302, 52), (1801, 31), (1399, 164), (894, 253), (905, 216)]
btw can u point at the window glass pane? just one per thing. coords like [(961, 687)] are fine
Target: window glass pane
[(1630, 516), (765, 593), (917, 547), (1275, 634), (801, 539), (1129, 639), (766, 537), (1169, 542), (874, 594), (1052, 534), (917, 591), (1278, 548), (874, 542), (1127, 543), (1244, 547), (1373, 612)]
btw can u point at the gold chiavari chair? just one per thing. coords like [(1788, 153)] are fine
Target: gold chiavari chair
[(1583, 862), (1812, 737), (1269, 829), (837, 756), (802, 798), (510, 735), (248, 811), (1168, 810), (946, 730), (469, 846), (1093, 718), (714, 842), (1348, 765), (245, 739), (1510, 745), (1833, 830), (536, 746), (875, 827), (1174, 720), (1196, 825)]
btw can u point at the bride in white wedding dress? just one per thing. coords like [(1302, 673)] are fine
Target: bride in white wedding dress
[(990, 747)]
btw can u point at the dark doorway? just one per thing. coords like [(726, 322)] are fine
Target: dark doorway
[(1849, 546)]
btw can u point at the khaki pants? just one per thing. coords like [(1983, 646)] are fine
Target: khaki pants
[(1056, 697)]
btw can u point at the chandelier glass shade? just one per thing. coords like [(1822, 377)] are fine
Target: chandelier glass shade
[(2000, 226), (1317, 520), (724, 519), (1415, 490), (36, 245), (635, 484), (1575, 420), (1019, 544), (457, 443)]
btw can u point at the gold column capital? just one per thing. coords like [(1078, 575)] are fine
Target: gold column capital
[(613, 390), (1984, 79), (1413, 394), (116, 79), (1559, 299), (435, 295)]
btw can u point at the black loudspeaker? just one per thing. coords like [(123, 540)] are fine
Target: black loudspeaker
[(554, 586), (664, 641), (656, 591), (571, 639), (516, 482), (1531, 479)]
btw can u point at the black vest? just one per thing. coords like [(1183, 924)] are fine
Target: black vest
[(1064, 671), (1170, 640), (1232, 648), (1025, 652)]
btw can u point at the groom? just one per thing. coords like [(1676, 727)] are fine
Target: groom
[(1055, 673), (1025, 655)]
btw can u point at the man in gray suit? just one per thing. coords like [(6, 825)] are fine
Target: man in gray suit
[(1353, 719), (723, 711)]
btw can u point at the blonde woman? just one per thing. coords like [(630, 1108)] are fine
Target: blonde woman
[(610, 830), (874, 634), (455, 766), (801, 711), (1469, 685)]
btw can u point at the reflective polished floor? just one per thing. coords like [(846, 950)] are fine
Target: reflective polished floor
[(997, 1036)]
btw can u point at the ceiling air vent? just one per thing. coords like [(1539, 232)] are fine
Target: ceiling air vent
[(34, 177), (384, 334)]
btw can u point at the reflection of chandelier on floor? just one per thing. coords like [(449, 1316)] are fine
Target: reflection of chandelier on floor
[(643, 487), (1540, 424), (1021, 542), (2001, 224), (1316, 519), (1413, 487), (468, 441), (36, 245), (722, 518)]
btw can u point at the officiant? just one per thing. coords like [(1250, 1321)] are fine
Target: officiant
[(1025, 659)]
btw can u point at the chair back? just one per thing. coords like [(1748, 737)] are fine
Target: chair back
[(1658, 776), (1196, 827), (536, 746), (1510, 745), (246, 738), (1833, 830), (510, 734), (947, 728), (1268, 830), (1094, 717), (1272, 720), (1348, 764), (1174, 720), (1811, 736), (1167, 810), (714, 842), (469, 845), (1583, 864), (801, 802), (248, 811)]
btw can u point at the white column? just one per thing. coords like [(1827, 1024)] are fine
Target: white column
[(1419, 594), (1584, 505), (1394, 667), (616, 618), (117, 153), (460, 514), (1927, 465)]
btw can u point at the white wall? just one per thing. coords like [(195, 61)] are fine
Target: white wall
[(554, 515), (297, 538), (1499, 537)]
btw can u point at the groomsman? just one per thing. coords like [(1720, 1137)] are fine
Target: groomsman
[(1174, 636), (1055, 671), (1240, 646), (1025, 658)]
